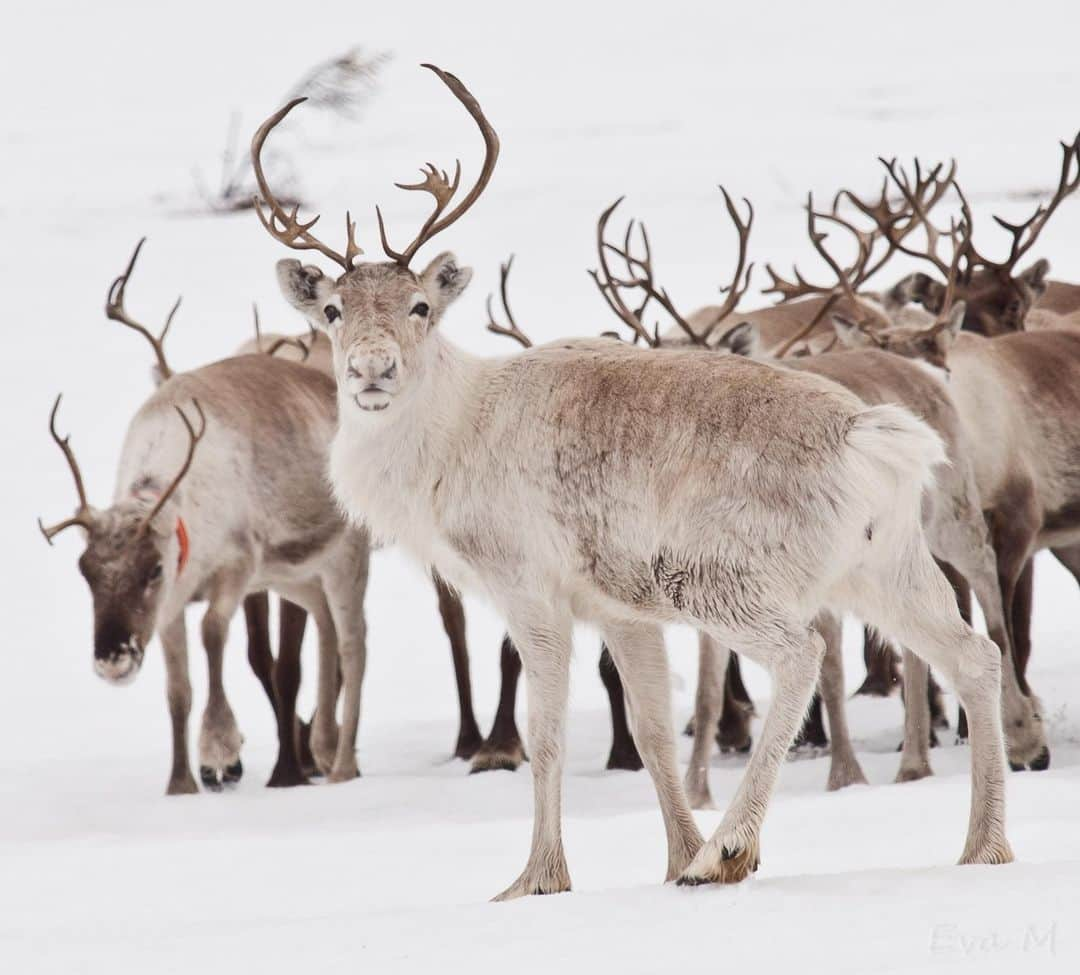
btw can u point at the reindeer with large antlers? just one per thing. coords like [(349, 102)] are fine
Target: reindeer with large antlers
[(1000, 299), (214, 514), (633, 488)]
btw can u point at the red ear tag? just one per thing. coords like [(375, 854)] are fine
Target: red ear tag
[(182, 538)]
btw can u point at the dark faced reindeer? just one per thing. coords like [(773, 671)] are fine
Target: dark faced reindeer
[(999, 298), (633, 489), (249, 510)]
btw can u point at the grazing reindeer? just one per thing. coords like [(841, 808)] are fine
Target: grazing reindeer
[(206, 516), (596, 481), (952, 516), (314, 351), (280, 680)]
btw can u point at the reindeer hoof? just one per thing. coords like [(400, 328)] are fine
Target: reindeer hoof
[(232, 774), (183, 786), (625, 757), (498, 757), (913, 774), (210, 778), (1041, 762), (728, 865), (286, 775)]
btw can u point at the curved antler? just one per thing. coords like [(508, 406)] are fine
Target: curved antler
[(84, 515), (116, 312), (511, 331), (439, 185), (733, 291), (195, 438), (287, 227)]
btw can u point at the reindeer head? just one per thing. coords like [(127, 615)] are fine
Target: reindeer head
[(913, 334), (134, 552), (377, 316), (996, 296)]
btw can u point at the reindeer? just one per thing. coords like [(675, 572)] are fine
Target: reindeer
[(952, 515), (999, 299), (631, 489), (213, 515), (314, 350)]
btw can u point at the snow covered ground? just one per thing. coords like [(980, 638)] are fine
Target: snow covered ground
[(107, 108)]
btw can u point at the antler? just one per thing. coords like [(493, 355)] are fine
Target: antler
[(641, 271), (286, 227), (195, 438), (439, 185), (83, 516), (734, 291), (512, 332), (1025, 234), (115, 311), (281, 341), (926, 192)]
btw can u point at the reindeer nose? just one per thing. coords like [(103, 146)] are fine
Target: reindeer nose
[(373, 369)]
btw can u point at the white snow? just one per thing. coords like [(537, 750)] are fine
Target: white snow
[(107, 107)]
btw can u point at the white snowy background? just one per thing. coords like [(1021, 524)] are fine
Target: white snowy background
[(106, 109)]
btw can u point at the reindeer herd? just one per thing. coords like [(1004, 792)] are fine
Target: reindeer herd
[(754, 474)]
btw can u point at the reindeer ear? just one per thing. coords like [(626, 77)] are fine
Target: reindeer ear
[(848, 332), (443, 280), (306, 288), (741, 339), (955, 321), (1035, 276)]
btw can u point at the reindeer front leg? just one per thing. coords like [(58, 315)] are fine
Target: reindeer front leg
[(543, 641), (178, 688), (219, 738)]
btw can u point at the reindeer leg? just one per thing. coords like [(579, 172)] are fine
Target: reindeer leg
[(453, 617), (543, 639), (219, 737), (624, 753), (641, 657), (174, 643), (915, 757), (293, 621), (1023, 605), (260, 653), (844, 768), (792, 653), (503, 749), (882, 672), (733, 730), (812, 734), (713, 667)]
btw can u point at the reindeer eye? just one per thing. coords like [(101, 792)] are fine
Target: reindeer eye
[(154, 575), (421, 309), (332, 313)]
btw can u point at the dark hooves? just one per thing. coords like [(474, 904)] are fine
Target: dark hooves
[(209, 778), (233, 773), (628, 760), (1018, 766), (1041, 762), (285, 777)]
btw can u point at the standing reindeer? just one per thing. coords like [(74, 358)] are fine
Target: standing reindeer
[(314, 351), (631, 489), (215, 514)]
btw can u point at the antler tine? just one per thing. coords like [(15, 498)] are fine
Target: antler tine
[(512, 331), (82, 514), (1034, 224), (646, 283), (890, 224), (195, 438), (608, 285), (289, 340), (800, 287), (734, 290), (286, 227), (116, 312), (436, 182), (919, 216)]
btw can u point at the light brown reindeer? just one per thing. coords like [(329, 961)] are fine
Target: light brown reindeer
[(212, 516), (631, 489), (952, 517)]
